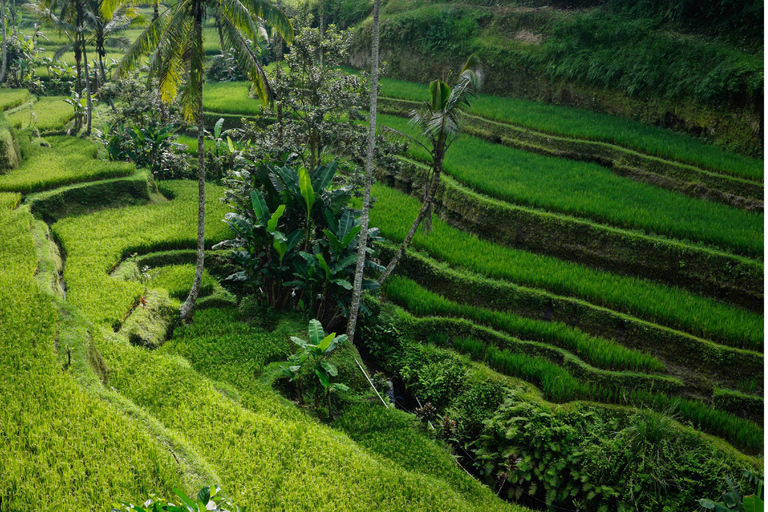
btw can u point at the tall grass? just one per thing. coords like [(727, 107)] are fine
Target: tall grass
[(49, 113), (230, 98), (10, 98), (671, 307), (589, 125), (48, 422), (68, 160), (592, 191), (596, 351), (95, 244)]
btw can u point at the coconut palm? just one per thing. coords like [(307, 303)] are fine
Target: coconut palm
[(363, 243), (107, 26), (175, 41), (440, 125)]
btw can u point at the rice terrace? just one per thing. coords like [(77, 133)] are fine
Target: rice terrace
[(395, 255)]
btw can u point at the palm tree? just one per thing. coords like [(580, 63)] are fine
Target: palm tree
[(363, 243), (440, 123), (175, 39), (106, 26)]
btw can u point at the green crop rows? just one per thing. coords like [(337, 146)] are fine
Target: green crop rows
[(599, 352), (586, 124), (94, 247), (661, 304), (558, 384), (68, 160), (230, 98), (48, 451), (49, 113), (592, 191), (10, 98)]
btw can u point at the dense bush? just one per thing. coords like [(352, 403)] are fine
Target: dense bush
[(296, 238)]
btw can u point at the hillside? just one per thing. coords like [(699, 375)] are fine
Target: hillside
[(690, 66)]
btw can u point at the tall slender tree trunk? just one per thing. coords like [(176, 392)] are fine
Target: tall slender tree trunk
[(88, 101), (322, 29), (362, 245), (426, 208), (189, 304), (5, 44)]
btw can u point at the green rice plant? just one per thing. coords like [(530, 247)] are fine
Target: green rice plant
[(596, 351), (589, 125), (49, 113), (230, 98), (49, 455), (557, 384), (391, 434), (10, 98), (260, 445), (191, 143), (68, 160), (96, 243), (177, 279), (590, 190), (664, 305)]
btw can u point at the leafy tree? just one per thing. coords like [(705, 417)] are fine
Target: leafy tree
[(440, 122), (208, 499), (175, 38)]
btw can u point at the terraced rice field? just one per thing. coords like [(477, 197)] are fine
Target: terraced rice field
[(201, 408)]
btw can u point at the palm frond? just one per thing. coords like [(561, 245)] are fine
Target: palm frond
[(194, 53), (267, 13), (147, 42), (401, 137), (246, 59)]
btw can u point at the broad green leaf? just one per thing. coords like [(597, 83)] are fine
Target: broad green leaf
[(230, 145), (305, 185), (330, 368), (272, 225), (259, 206), (321, 261), (217, 130), (322, 176), (326, 342), (341, 265), (325, 380), (346, 224), (753, 504), (300, 342), (184, 498), (351, 236), (335, 244), (294, 238), (343, 283), (316, 333)]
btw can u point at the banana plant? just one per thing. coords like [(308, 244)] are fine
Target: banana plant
[(313, 360), (208, 499), (313, 266)]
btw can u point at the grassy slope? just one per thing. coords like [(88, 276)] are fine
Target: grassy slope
[(72, 160), (585, 124), (47, 114), (309, 465), (50, 459), (394, 212), (592, 191)]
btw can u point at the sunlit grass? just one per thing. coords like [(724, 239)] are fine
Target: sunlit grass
[(586, 124), (668, 306), (592, 191), (68, 160)]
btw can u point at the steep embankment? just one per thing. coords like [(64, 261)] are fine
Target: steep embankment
[(645, 62)]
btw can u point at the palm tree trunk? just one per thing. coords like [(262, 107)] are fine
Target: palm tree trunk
[(437, 167), (88, 101), (5, 45), (362, 245), (189, 304)]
